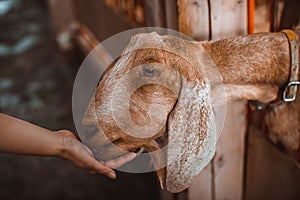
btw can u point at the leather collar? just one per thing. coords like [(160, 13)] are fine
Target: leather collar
[(290, 90), (289, 93)]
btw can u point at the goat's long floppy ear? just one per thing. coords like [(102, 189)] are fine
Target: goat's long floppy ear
[(192, 135)]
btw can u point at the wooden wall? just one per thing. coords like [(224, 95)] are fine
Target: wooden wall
[(271, 174), (215, 19)]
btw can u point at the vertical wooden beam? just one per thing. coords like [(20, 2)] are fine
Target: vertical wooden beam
[(181, 195), (155, 13), (171, 14), (251, 10), (223, 178), (290, 17), (229, 18), (271, 173), (193, 18), (201, 187), (62, 14), (100, 18), (165, 195), (62, 17), (194, 21), (229, 159)]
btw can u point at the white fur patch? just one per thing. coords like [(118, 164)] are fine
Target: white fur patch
[(192, 136)]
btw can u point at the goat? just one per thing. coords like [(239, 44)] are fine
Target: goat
[(253, 67)]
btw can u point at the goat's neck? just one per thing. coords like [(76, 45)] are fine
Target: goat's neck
[(253, 67)]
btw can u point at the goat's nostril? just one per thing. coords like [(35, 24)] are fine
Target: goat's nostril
[(114, 137), (135, 150), (139, 150), (115, 140), (90, 130)]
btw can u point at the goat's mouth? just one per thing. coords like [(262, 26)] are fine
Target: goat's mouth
[(104, 148), (139, 151)]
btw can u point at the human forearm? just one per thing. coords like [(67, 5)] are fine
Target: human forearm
[(21, 137), (18, 136)]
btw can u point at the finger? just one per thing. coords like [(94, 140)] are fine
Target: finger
[(98, 167), (120, 161), (89, 150)]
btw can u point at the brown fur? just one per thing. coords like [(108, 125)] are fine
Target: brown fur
[(257, 67)]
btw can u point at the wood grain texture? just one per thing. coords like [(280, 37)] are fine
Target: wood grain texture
[(229, 159), (171, 14), (229, 18), (62, 16), (223, 178), (271, 174), (155, 13), (193, 18), (201, 188)]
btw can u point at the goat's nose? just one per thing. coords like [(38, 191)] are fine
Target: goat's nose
[(112, 151), (108, 152), (93, 137), (89, 131)]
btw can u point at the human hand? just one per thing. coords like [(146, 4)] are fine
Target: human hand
[(76, 152)]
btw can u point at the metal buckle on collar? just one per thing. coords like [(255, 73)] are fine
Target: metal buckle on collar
[(290, 91), (291, 85)]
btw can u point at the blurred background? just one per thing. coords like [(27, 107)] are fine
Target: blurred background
[(36, 80)]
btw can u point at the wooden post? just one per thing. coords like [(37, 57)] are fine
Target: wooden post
[(155, 13), (62, 17), (223, 178), (193, 18), (271, 173), (171, 14), (229, 18)]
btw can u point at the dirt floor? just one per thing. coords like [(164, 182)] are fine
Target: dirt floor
[(36, 81)]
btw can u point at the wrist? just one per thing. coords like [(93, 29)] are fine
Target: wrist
[(61, 149)]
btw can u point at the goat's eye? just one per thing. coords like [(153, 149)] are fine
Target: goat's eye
[(149, 72)]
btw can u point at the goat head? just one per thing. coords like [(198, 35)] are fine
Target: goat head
[(158, 87)]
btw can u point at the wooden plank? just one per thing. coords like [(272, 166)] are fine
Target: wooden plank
[(181, 195), (262, 16), (62, 16), (131, 10), (193, 18), (229, 18), (155, 13), (100, 19), (223, 178), (171, 14), (271, 174), (165, 195), (229, 159), (202, 185), (290, 17)]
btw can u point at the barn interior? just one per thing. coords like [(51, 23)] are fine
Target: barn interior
[(40, 55)]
